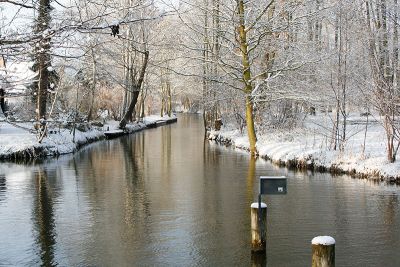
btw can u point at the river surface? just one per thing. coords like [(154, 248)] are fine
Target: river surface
[(164, 197)]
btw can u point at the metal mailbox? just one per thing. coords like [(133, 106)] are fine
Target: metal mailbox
[(273, 185)]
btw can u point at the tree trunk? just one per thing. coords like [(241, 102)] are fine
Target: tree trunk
[(205, 67), (248, 88), (43, 62), (43, 58), (215, 59), (2, 92), (342, 74), (162, 107), (127, 60), (310, 25), (396, 66), (128, 115), (318, 26), (142, 105), (389, 139), (2, 102), (93, 88), (135, 93), (251, 132), (169, 100)]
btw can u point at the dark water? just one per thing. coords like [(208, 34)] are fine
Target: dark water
[(163, 197)]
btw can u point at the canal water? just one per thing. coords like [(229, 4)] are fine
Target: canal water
[(164, 197)]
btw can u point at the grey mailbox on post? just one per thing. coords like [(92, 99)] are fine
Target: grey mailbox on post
[(269, 185), (273, 185)]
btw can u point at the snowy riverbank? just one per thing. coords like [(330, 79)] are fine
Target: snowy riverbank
[(308, 147), (21, 143)]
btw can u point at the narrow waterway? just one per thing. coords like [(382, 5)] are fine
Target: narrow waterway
[(164, 197)]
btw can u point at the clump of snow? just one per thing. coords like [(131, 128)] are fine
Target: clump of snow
[(115, 131), (115, 22), (323, 240), (156, 118), (255, 205)]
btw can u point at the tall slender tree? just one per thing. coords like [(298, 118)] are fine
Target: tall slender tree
[(42, 54)]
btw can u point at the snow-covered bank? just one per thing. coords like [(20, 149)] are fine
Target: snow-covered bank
[(21, 143), (308, 148)]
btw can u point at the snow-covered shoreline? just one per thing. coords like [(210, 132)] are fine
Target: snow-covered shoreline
[(20, 144), (306, 148)]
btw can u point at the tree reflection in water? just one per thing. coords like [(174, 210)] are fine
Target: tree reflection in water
[(3, 187), (166, 197), (43, 219)]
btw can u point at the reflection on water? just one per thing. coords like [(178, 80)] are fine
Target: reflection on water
[(3, 186), (258, 259), (251, 177), (43, 218), (164, 197)]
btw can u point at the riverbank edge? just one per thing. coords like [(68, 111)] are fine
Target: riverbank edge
[(45, 150), (304, 164)]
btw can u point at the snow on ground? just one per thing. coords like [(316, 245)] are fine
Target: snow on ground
[(310, 145), (155, 118), (16, 141)]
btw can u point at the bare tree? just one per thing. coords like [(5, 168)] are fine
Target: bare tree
[(384, 63), (43, 59)]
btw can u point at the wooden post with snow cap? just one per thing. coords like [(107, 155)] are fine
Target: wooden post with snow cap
[(258, 227), (323, 251)]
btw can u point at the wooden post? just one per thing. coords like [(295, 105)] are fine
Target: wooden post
[(258, 259), (323, 251), (258, 227)]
